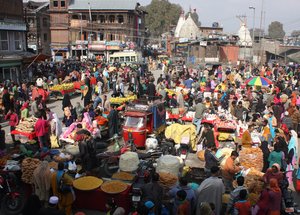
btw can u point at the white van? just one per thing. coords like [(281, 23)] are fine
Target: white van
[(127, 57)]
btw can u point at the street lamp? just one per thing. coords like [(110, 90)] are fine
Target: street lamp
[(70, 12), (253, 8)]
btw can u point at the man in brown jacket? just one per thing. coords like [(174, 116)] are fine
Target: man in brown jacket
[(295, 118), (229, 170)]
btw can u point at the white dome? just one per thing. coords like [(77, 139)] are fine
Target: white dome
[(244, 35), (179, 24), (189, 29)]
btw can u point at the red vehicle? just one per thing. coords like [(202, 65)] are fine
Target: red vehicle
[(142, 120)]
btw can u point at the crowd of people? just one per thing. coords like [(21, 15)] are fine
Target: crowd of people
[(272, 110)]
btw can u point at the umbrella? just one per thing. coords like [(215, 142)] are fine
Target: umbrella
[(258, 81)]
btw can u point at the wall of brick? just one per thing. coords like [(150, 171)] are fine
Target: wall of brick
[(11, 9)]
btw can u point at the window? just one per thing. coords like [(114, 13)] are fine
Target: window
[(83, 17), (45, 37), (133, 59), (111, 18), (55, 3), (102, 19), (137, 122), (127, 59), (120, 19), (3, 40), (94, 18), (111, 37), (101, 36), (62, 4), (74, 16), (18, 40), (121, 59), (45, 22)]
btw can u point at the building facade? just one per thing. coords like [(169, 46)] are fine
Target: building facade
[(38, 24), (12, 39), (95, 28)]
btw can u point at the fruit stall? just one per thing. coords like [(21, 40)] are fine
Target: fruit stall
[(58, 91)]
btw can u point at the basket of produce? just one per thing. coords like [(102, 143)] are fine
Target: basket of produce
[(27, 168), (113, 187), (167, 180), (123, 176), (121, 100), (87, 183), (63, 87)]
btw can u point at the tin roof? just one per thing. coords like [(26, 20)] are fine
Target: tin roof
[(103, 4)]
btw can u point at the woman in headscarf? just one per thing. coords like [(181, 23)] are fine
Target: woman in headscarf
[(24, 111), (292, 155), (275, 156), (266, 152), (66, 101), (41, 181), (275, 198), (56, 126), (273, 172)]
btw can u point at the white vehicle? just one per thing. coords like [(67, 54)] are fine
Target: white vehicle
[(127, 57)]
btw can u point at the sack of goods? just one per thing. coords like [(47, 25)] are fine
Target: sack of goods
[(168, 164), (129, 162), (167, 180), (27, 167)]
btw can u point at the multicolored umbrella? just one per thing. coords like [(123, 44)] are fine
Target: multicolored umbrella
[(258, 81)]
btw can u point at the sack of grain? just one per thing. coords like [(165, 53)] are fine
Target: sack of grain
[(129, 162), (169, 164)]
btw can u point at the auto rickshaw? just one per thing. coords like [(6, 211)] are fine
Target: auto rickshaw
[(142, 120)]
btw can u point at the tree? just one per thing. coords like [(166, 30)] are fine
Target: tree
[(195, 17), (295, 33), (257, 32), (161, 15), (276, 30)]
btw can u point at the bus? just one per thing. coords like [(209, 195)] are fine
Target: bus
[(127, 57)]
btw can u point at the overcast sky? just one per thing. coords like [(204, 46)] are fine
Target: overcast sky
[(225, 12)]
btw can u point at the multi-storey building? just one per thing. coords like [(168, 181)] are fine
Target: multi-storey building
[(12, 39), (90, 28), (38, 22)]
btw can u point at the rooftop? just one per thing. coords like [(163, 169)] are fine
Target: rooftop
[(103, 4)]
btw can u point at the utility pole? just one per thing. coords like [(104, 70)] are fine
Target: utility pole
[(260, 29), (90, 34)]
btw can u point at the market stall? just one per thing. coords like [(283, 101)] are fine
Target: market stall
[(60, 90), (25, 128)]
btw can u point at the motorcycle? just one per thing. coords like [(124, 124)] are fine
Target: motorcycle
[(11, 199), (136, 199), (184, 148)]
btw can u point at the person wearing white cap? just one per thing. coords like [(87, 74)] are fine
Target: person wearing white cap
[(287, 120), (52, 208)]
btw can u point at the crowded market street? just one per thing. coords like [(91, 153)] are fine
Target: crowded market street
[(121, 107)]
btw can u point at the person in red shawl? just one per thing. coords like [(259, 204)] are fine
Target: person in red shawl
[(274, 198), (41, 129), (13, 121), (262, 205)]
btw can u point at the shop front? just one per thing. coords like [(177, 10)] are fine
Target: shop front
[(98, 50), (10, 70), (59, 53)]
